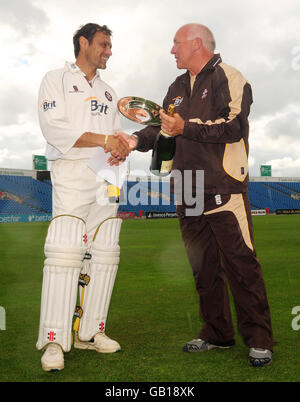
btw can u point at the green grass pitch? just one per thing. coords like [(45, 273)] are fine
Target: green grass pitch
[(154, 309)]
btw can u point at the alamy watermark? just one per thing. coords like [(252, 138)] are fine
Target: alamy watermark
[(296, 319), (187, 190), (2, 319), (296, 59)]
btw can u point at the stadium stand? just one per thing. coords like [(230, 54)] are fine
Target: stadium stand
[(274, 195), (29, 195), (13, 207), (27, 192)]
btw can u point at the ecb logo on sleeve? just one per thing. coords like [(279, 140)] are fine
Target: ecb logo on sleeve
[(97, 106), (2, 319)]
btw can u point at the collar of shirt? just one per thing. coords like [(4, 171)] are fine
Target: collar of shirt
[(73, 68), (210, 65), (213, 62)]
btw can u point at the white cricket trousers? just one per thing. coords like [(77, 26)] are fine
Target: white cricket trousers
[(82, 200), (78, 191)]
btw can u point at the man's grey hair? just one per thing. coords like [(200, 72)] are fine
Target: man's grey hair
[(204, 33)]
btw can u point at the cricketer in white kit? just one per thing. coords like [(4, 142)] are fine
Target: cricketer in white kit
[(78, 114)]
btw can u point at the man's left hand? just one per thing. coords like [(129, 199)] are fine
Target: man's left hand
[(172, 126)]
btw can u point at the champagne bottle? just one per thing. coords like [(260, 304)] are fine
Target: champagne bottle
[(163, 151)]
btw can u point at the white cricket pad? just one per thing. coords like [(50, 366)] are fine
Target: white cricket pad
[(102, 270), (64, 251)]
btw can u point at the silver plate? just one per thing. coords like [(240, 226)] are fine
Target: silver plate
[(140, 110)]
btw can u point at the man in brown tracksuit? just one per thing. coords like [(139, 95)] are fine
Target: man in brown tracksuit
[(211, 127)]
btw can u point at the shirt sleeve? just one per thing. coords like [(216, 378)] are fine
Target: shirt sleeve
[(146, 138), (55, 123), (231, 116)]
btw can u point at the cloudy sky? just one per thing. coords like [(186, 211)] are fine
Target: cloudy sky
[(259, 37)]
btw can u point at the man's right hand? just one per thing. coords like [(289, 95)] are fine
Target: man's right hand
[(131, 143), (118, 147)]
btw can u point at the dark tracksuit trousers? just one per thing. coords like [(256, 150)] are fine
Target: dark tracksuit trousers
[(219, 245)]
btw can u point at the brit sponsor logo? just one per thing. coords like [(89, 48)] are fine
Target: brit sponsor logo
[(97, 106), (48, 105)]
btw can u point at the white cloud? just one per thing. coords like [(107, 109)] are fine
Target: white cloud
[(3, 154), (285, 166), (22, 17)]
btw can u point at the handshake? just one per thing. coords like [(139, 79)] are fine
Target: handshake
[(119, 145)]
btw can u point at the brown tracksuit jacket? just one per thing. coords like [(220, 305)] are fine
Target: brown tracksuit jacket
[(215, 137)]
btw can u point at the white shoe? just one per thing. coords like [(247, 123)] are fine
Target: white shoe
[(260, 357), (53, 358), (101, 343)]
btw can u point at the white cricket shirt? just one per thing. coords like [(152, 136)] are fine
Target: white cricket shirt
[(69, 106)]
